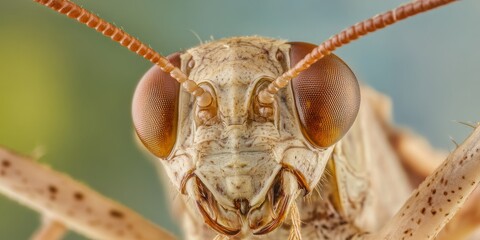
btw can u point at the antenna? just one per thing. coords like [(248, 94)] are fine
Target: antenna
[(72, 10), (266, 96)]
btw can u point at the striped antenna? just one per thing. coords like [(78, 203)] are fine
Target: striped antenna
[(74, 11), (266, 96)]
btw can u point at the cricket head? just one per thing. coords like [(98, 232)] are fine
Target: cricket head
[(255, 120), (242, 163)]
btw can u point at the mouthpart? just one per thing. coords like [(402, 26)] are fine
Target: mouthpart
[(241, 218)]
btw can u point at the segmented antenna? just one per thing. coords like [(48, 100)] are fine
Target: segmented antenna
[(74, 11), (354, 32)]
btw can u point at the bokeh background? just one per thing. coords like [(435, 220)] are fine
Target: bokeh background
[(65, 90)]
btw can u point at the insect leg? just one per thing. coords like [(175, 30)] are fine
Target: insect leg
[(466, 221), (439, 197), (421, 159), (50, 230), (71, 203)]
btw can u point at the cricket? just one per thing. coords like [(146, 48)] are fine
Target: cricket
[(262, 138)]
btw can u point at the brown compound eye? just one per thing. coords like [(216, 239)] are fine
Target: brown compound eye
[(155, 109), (327, 96)]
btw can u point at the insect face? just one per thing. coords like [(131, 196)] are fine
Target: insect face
[(244, 169)]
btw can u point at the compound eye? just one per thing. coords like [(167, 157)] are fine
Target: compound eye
[(155, 109), (327, 97)]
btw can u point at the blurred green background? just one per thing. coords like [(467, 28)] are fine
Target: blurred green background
[(67, 90)]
